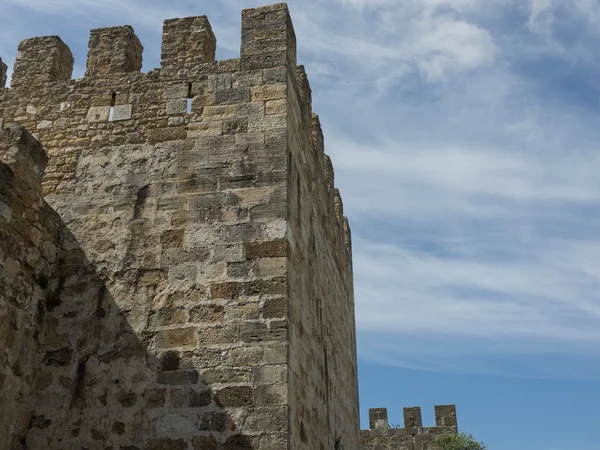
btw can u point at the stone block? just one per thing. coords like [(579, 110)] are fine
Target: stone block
[(271, 394), (214, 421), (228, 290), (170, 316), (218, 335), (275, 308), (177, 91), (206, 313), (244, 356), (189, 398), (177, 338), (235, 126), (176, 106), (269, 249), (270, 92), (226, 375), (170, 361), (166, 134), (273, 418), (44, 125), (154, 398), (205, 129), (98, 114), (270, 374), (234, 396), (252, 332), (232, 96), (122, 112), (261, 288), (178, 377)]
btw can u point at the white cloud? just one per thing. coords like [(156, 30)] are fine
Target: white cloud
[(398, 36), (474, 174), (455, 310)]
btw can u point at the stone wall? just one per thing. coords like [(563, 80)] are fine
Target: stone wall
[(414, 436), (323, 366), (202, 297), (28, 249)]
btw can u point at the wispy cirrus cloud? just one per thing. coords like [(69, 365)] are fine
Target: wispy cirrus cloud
[(472, 181)]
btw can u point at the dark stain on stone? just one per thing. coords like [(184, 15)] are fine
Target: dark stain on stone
[(100, 300), (140, 200), (97, 435), (128, 399), (39, 422), (118, 427), (58, 358), (170, 361), (80, 380)]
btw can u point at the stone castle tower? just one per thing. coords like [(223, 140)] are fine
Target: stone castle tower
[(175, 266)]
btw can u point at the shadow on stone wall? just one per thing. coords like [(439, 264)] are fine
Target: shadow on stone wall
[(103, 385)]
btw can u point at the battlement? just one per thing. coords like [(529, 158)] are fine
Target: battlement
[(445, 416), (413, 435), (268, 41)]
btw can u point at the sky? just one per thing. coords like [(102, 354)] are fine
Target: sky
[(464, 136)]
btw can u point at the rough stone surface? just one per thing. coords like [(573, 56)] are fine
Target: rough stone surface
[(28, 246), (413, 436), (113, 50), (187, 42), (188, 283), (122, 112), (42, 60)]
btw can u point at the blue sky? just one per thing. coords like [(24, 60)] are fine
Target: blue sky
[(464, 136)]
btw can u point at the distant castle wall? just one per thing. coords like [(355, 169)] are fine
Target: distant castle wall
[(201, 292), (414, 436)]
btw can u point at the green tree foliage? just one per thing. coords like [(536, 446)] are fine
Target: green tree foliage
[(461, 441)]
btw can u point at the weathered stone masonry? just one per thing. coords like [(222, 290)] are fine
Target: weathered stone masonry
[(185, 282), (28, 249)]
